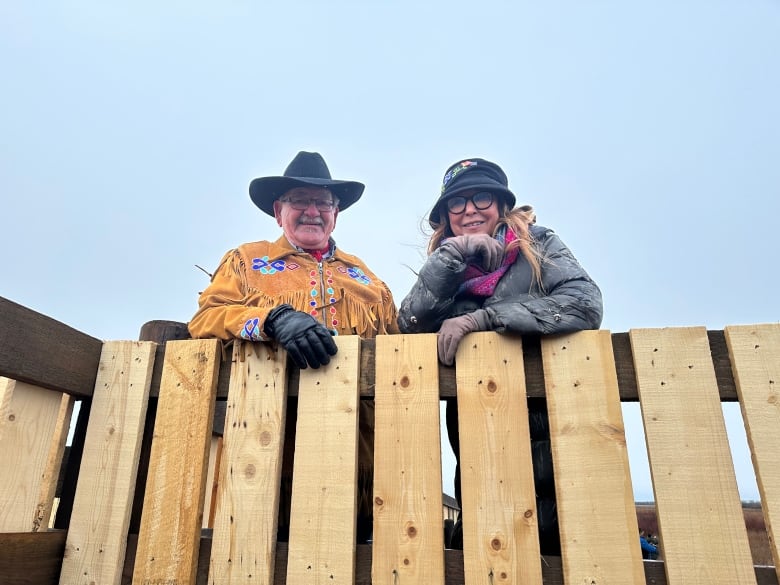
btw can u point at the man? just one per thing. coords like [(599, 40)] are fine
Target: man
[(299, 291)]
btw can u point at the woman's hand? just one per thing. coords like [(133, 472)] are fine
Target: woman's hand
[(455, 329), (479, 249)]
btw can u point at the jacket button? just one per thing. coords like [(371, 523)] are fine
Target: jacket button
[(413, 319)]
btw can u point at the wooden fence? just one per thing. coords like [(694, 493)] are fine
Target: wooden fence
[(136, 480)]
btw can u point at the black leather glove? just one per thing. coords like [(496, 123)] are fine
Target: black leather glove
[(306, 340), (479, 249)]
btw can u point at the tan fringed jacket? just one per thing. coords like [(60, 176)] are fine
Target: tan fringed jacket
[(340, 292)]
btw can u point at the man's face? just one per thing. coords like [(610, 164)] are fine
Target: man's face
[(301, 212)]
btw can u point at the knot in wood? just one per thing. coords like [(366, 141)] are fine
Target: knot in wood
[(265, 438), (405, 382), (250, 471), (496, 544), (492, 387), (528, 513)]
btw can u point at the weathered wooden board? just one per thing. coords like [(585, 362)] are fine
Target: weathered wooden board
[(245, 520), (173, 502), (500, 534), (596, 511), (32, 431), (755, 354), (322, 523), (408, 521), (702, 527), (43, 352), (97, 536)]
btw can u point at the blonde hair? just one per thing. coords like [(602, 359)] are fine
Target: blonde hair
[(517, 220)]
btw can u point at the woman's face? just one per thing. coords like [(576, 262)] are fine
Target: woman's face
[(473, 220)]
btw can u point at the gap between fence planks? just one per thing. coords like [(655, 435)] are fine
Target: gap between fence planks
[(700, 517)]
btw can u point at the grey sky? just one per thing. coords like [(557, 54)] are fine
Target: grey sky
[(646, 134)]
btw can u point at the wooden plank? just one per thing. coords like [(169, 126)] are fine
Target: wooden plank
[(41, 351), (54, 462), (173, 504), (700, 518), (322, 523), (245, 521), (408, 521), (30, 431), (34, 558), (596, 510), (31, 558), (95, 547), (755, 355), (534, 377), (212, 481), (500, 535)]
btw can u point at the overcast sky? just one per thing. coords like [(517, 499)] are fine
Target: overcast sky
[(646, 134)]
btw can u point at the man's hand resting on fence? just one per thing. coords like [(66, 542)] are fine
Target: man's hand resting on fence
[(306, 340), (453, 330)]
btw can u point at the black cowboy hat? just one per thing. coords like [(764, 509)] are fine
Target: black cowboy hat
[(472, 173), (306, 169)]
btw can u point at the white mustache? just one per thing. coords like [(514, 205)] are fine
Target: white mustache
[(312, 221)]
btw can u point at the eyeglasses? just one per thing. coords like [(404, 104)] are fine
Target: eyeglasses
[(481, 200), (303, 204)]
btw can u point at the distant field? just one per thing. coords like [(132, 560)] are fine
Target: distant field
[(754, 522)]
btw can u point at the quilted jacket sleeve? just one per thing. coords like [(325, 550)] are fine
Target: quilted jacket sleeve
[(432, 297), (569, 300)]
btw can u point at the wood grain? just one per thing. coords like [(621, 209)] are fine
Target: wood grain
[(408, 522), (175, 488), (755, 354), (245, 520), (500, 535), (596, 511), (97, 536), (322, 523), (702, 528)]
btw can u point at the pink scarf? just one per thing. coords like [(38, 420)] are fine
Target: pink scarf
[(482, 284)]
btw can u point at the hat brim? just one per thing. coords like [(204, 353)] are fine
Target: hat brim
[(265, 190), (434, 218)]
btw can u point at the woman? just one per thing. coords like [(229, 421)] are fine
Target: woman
[(490, 268)]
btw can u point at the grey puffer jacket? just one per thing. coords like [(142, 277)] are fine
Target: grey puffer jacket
[(569, 300)]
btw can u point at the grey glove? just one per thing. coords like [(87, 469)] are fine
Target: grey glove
[(479, 249), (453, 330), (306, 340)]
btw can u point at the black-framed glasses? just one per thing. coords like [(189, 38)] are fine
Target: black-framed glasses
[(480, 199), (302, 204)]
